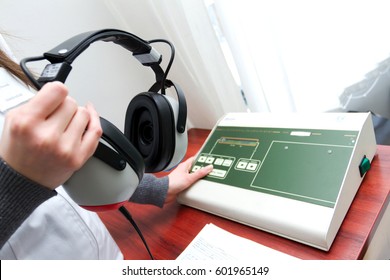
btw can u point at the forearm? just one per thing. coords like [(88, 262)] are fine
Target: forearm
[(19, 197)]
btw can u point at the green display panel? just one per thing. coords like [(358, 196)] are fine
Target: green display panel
[(307, 165)]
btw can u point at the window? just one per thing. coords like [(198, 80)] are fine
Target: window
[(300, 56)]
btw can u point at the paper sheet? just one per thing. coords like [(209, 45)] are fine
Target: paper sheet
[(214, 243)]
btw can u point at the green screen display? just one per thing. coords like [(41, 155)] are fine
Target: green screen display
[(303, 164)]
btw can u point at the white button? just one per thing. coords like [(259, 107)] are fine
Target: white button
[(251, 166), (196, 167), (202, 159), (227, 162), (218, 173), (242, 165)]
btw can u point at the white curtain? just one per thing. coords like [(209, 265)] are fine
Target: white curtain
[(290, 55), (301, 55), (199, 67)]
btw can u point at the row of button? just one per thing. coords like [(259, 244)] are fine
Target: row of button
[(216, 161), (222, 164), (245, 165)]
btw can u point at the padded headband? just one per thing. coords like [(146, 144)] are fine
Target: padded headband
[(73, 47), (62, 56)]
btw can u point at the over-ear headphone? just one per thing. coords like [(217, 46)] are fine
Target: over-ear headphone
[(154, 138)]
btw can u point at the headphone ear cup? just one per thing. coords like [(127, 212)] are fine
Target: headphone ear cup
[(93, 187), (150, 127), (181, 137)]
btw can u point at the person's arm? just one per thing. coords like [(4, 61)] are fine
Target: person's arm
[(158, 191), (43, 142)]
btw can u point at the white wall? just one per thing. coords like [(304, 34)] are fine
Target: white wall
[(105, 74)]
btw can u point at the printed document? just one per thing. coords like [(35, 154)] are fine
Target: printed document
[(215, 243)]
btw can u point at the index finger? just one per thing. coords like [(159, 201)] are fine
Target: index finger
[(93, 132), (47, 100)]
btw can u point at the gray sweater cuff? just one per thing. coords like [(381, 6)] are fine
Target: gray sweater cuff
[(19, 197), (151, 190)]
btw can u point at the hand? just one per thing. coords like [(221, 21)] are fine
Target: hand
[(49, 137), (181, 178)]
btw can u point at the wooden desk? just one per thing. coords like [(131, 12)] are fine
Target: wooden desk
[(168, 231)]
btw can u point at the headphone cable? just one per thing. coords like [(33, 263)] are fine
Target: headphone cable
[(128, 216), (163, 82)]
